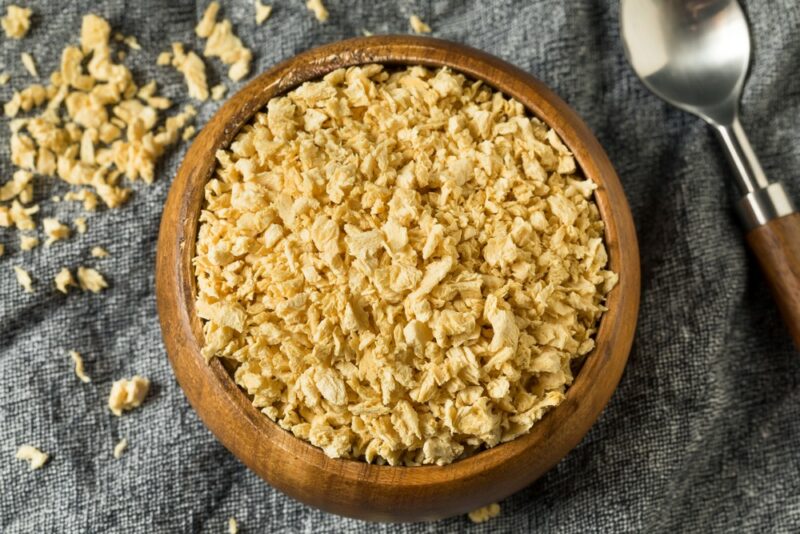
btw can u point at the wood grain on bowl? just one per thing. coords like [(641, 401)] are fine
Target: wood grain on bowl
[(355, 488)]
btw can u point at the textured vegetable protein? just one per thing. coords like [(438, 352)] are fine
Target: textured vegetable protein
[(17, 22), (417, 25), (127, 394), (92, 125), (404, 265), (77, 359), (484, 513), (119, 448), (35, 458)]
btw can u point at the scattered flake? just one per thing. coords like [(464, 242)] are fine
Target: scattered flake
[(127, 394), (209, 20), (193, 70), (63, 280), (218, 91), (223, 43), (484, 513), (233, 526), (11, 108), (366, 33), (24, 279), (188, 133), (92, 126), (91, 280), (54, 230), (132, 42), (120, 447), (18, 215), (95, 33), (28, 242), (80, 224), (317, 7), (262, 12), (4, 78), (412, 213), (16, 185), (17, 22), (86, 196), (32, 455), (99, 252), (417, 25), (164, 59), (29, 64), (25, 100), (78, 361)]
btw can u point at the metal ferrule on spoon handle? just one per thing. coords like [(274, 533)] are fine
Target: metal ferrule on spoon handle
[(772, 224), (762, 201)]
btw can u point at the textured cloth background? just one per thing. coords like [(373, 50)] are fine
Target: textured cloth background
[(703, 433)]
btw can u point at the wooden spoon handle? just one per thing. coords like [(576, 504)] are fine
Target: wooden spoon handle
[(776, 244)]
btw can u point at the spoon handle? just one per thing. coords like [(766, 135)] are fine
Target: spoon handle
[(776, 244), (771, 222)]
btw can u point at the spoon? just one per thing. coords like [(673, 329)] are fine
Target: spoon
[(694, 54)]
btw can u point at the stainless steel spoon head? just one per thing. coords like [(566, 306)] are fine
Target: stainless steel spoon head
[(692, 53)]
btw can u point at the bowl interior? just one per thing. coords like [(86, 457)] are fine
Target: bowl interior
[(352, 487)]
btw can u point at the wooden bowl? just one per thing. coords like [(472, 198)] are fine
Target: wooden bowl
[(355, 488)]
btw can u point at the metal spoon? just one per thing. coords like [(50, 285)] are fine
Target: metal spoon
[(694, 54)]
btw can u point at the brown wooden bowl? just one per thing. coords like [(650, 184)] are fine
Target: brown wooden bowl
[(355, 488)]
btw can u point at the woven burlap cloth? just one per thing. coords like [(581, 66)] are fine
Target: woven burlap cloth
[(702, 435)]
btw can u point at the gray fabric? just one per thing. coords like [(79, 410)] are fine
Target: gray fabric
[(702, 434)]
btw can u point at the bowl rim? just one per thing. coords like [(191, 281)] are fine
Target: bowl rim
[(254, 438)]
